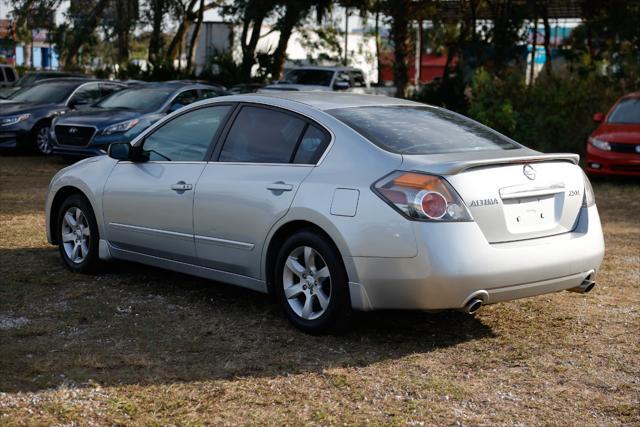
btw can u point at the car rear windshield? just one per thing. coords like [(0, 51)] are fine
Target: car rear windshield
[(145, 99), (626, 112), (421, 130)]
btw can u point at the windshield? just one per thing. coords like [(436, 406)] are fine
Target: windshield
[(309, 77), (421, 130), (139, 99), (626, 112), (44, 93)]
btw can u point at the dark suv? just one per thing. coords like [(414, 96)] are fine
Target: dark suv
[(25, 118)]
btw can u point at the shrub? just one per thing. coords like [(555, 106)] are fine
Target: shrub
[(552, 115)]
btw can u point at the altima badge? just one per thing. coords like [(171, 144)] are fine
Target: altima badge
[(529, 172)]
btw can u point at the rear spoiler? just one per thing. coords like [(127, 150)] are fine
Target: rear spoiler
[(457, 166)]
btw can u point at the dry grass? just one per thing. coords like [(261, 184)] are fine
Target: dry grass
[(135, 345)]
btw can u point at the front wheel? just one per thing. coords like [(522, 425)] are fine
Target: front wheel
[(42, 140), (78, 234), (311, 283)]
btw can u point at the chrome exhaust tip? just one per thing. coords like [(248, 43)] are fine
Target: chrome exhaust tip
[(586, 286), (472, 306)]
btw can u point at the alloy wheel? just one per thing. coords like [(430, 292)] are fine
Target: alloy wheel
[(76, 234), (307, 283), (43, 141)]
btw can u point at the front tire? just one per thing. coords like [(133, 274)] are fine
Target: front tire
[(311, 283), (42, 140), (78, 235)]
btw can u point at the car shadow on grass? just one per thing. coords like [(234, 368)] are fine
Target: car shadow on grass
[(132, 324)]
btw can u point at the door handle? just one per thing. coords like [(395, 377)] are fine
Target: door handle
[(279, 186), (181, 187)]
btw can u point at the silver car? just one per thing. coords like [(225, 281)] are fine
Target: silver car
[(333, 203)]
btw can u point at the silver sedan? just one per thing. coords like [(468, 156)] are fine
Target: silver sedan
[(333, 203)]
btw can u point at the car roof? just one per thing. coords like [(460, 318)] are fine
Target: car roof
[(632, 95), (325, 100), (174, 85), (69, 80)]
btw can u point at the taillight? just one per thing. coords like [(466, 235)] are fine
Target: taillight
[(589, 198), (422, 197)]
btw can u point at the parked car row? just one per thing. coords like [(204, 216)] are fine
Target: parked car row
[(79, 116)]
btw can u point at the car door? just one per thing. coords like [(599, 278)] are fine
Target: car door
[(251, 185), (148, 206)]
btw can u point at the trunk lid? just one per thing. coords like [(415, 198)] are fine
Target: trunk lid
[(513, 197)]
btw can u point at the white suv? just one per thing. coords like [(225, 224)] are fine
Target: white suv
[(319, 79)]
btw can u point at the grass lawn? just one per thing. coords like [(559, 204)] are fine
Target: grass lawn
[(137, 345)]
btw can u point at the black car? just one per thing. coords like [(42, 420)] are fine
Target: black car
[(33, 77), (25, 118), (122, 116)]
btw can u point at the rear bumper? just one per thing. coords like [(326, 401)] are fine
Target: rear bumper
[(455, 263), (612, 163)]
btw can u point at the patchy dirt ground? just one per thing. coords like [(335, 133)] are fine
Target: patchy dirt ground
[(135, 345)]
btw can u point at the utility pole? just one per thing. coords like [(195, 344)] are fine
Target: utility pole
[(346, 36)]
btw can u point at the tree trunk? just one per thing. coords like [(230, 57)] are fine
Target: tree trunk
[(156, 40), (249, 49), (547, 43), (346, 37), (194, 36), (79, 36), (291, 18), (123, 23), (399, 12), (533, 49), (377, 35), (177, 40)]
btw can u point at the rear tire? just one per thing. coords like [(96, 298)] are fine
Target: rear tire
[(311, 283), (77, 234)]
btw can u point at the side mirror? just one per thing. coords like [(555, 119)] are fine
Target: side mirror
[(598, 117), (120, 151), (175, 107), (341, 85)]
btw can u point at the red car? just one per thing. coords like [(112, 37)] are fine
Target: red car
[(614, 147)]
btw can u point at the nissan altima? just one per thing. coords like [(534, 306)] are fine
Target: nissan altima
[(334, 203)]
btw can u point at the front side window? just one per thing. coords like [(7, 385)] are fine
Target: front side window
[(262, 135), (208, 93), (187, 137), (88, 93), (626, 112), (185, 98), (421, 130), (108, 88)]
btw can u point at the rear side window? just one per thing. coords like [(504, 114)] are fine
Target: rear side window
[(626, 112), (312, 145), (421, 130), (262, 135)]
